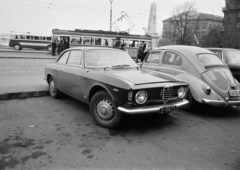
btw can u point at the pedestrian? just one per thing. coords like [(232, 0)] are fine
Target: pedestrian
[(66, 44), (123, 46), (53, 44), (61, 46), (117, 44), (140, 53)]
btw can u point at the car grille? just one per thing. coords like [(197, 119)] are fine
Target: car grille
[(167, 91)]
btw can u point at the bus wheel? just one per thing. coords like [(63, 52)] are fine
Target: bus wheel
[(49, 48), (17, 47)]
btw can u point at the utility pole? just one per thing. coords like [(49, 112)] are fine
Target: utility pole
[(111, 15)]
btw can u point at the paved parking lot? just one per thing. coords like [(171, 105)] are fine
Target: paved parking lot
[(45, 133)]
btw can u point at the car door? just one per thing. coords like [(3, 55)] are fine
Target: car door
[(72, 74), (58, 73), (152, 61)]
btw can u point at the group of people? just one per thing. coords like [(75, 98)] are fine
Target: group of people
[(59, 46), (141, 52), (118, 44)]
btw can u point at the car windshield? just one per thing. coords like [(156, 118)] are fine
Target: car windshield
[(209, 59), (232, 57), (108, 58)]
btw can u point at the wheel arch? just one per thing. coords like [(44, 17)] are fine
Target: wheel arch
[(96, 88), (48, 77)]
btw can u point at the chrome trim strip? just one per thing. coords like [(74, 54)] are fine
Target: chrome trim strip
[(221, 103), (150, 109)]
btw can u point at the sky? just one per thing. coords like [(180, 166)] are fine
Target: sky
[(41, 16)]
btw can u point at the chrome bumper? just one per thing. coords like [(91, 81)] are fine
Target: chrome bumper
[(151, 109), (221, 103)]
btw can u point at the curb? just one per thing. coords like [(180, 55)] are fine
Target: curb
[(22, 95), (25, 51)]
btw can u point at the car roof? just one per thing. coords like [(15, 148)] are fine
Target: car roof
[(91, 47), (221, 49), (189, 52)]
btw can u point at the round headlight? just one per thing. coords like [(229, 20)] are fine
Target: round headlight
[(141, 97), (181, 92)]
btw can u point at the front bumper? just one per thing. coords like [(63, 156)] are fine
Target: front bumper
[(221, 103), (151, 109)]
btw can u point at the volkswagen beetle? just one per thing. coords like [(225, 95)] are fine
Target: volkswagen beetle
[(210, 80), (112, 84)]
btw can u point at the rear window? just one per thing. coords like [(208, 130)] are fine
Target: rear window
[(209, 59)]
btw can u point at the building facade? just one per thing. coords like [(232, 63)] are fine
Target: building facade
[(231, 31), (203, 23)]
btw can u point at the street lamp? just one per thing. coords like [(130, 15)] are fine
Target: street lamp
[(111, 15)]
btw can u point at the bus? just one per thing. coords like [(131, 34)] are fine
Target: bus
[(80, 37), (27, 40)]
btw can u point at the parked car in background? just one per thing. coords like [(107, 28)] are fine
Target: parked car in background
[(231, 57), (210, 80), (112, 84)]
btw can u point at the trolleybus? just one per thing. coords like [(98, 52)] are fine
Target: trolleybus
[(80, 37), (28, 40)]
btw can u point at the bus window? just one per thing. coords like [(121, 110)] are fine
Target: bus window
[(36, 37), (106, 42), (133, 43), (88, 41), (126, 42), (76, 40), (98, 41), (29, 37), (49, 38), (23, 37), (16, 37)]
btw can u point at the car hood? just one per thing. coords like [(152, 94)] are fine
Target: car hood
[(138, 77), (220, 79)]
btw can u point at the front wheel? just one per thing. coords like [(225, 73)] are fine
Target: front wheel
[(104, 110), (54, 92), (17, 47)]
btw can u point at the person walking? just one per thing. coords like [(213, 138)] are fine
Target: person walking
[(140, 53), (53, 44)]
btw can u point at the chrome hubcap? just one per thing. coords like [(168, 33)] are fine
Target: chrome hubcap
[(52, 87), (105, 109), (17, 47)]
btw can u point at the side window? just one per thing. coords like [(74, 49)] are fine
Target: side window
[(64, 58), (153, 58), (172, 59), (75, 57)]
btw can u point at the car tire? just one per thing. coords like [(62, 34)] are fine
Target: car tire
[(104, 110), (49, 48), (191, 101), (54, 92), (17, 47)]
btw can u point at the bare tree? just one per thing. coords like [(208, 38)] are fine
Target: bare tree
[(184, 24), (212, 39)]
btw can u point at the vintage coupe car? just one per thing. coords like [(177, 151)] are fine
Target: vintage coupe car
[(231, 57), (210, 80), (112, 83)]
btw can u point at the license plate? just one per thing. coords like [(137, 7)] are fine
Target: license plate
[(167, 109), (234, 92)]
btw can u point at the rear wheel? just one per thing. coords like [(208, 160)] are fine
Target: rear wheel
[(104, 110), (54, 92), (49, 48), (17, 47)]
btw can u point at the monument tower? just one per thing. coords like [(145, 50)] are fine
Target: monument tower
[(152, 25)]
